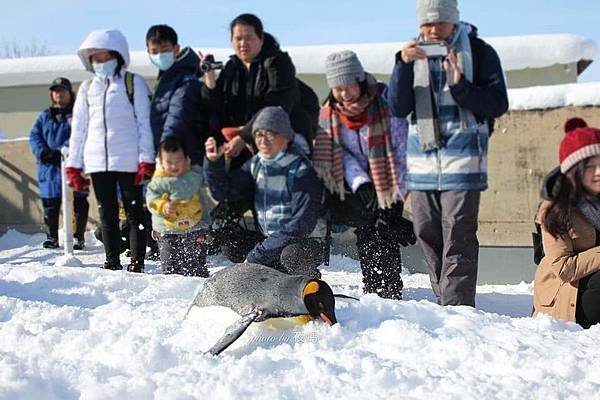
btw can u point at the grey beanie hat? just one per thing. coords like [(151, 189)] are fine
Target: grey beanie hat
[(434, 11), (343, 68), (274, 119)]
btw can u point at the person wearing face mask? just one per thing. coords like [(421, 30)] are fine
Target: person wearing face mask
[(567, 280), (286, 193), (49, 135), (258, 75), (450, 101), (176, 110), (360, 154), (111, 141)]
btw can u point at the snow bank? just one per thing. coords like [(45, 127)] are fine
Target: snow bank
[(516, 52), (70, 333), (546, 97)]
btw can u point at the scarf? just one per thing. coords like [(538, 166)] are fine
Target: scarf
[(425, 103), (328, 151), (589, 206)]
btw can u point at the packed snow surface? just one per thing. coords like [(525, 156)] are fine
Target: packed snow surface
[(516, 52), (87, 333)]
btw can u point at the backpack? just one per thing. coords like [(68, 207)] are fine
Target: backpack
[(476, 51), (309, 101)]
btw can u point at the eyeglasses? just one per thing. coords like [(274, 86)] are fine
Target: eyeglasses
[(265, 135)]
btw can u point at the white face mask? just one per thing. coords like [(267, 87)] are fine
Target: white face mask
[(106, 69), (163, 61)]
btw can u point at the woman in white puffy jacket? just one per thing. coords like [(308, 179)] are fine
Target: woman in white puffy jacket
[(111, 141)]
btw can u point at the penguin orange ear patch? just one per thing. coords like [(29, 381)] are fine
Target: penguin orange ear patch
[(310, 288)]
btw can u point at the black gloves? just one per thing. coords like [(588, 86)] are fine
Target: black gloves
[(367, 196), (406, 234), (49, 156), (392, 219)]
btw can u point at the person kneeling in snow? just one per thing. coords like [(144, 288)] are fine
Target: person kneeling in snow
[(286, 192), (173, 198)]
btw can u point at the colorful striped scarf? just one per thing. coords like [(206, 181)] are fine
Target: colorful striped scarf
[(327, 156)]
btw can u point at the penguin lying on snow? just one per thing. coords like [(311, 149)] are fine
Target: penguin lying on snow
[(258, 293)]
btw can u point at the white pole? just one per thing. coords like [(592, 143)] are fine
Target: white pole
[(68, 259)]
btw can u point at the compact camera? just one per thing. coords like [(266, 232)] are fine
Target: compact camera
[(434, 49), (209, 64)]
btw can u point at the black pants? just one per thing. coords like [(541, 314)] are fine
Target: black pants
[(124, 233), (302, 257), (377, 244), (52, 207), (588, 300), (105, 188), (184, 254)]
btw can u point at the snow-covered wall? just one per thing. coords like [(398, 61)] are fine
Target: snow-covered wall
[(516, 53), (557, 96)]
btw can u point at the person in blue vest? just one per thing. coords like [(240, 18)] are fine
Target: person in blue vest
[(176, 109), (286, 193), (49, 135), (450, 101)]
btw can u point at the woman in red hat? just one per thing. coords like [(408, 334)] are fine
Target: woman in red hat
[(567, 281)]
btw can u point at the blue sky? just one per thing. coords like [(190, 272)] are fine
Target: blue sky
[(62, 24)]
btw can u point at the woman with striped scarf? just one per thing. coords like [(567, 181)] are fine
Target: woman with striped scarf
[(360, 154)]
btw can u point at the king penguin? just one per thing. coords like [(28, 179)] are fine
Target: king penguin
[(257, 293)]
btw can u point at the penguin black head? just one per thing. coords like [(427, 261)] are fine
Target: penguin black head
[(319, 301)]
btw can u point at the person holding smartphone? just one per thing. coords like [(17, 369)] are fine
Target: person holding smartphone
[(450, 102)]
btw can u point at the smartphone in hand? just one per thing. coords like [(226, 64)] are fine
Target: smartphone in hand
[(434, 49)]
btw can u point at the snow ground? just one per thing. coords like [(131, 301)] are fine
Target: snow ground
[(86, 333)]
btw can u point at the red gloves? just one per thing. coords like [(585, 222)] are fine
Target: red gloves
[(76, 180), (231, 132), (144, 173)]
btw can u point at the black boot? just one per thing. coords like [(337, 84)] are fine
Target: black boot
[(136, 266), (113, 266), (50, 243)]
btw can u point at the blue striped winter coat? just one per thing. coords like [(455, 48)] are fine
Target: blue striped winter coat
[(461, 162), (287, 198)]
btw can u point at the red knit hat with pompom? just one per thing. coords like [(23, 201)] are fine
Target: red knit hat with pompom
[(580, 142)]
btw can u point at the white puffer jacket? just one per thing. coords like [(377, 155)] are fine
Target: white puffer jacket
[(107, 134)]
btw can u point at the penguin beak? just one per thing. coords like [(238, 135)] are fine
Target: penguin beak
[(326, 319), (319, 300)]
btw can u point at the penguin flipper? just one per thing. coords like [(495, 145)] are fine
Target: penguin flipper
[(233, 332)]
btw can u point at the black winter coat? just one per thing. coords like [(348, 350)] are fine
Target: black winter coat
[(271, 81), (177, 109)]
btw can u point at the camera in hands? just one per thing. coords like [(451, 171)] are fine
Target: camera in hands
[(209, 64)]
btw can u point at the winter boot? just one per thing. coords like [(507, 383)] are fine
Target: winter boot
[(136, 266), (50, 243), (78, 244), (113, 266)]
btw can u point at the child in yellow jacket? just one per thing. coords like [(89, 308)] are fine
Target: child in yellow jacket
[(173, 198)]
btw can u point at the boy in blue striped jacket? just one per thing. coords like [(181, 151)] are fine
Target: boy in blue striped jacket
[(285, 191)]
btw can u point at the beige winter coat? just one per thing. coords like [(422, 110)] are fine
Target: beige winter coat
[(567, 259)]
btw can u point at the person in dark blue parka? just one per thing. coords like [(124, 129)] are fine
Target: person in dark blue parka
[(176, 109), (49, 135)]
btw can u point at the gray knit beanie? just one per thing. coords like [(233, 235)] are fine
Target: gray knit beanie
[(434, 11), (343, 68), (274, 119)]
